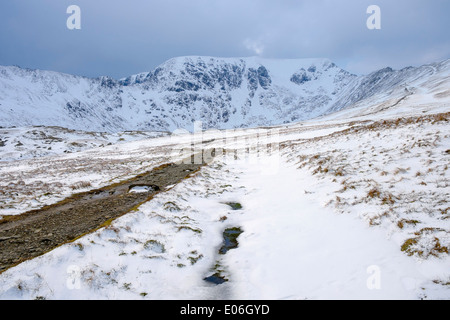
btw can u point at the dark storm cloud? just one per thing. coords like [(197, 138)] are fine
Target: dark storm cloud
[(119, 38)]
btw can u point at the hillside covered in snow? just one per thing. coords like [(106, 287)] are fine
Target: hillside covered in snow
[(352, 205), (322, 185), (222, 93)]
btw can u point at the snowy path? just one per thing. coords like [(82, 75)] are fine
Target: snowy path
[(294, 248)]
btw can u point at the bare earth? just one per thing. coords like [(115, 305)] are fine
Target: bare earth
[(36, 232)]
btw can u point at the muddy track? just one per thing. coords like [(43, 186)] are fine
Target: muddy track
[(37, 232)]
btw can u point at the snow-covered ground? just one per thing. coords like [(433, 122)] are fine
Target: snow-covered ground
[(351, 207), (295, 248), (292, 247), (34, 142)]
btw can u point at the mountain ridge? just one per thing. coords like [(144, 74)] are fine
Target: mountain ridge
[(223, 93)]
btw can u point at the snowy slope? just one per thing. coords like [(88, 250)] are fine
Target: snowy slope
[(350, 205), (223, 93), (34, 142)]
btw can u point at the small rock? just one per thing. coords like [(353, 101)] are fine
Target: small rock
[(46, 241), (8, 238)]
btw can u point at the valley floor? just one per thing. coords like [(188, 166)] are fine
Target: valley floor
[(332, 210)]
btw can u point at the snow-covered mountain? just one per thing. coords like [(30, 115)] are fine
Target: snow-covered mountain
[(350, 205), (223, 93)]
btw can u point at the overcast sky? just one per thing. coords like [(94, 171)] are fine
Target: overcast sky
[(120, 38)]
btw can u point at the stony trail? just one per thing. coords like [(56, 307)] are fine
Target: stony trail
[(37, 232)]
